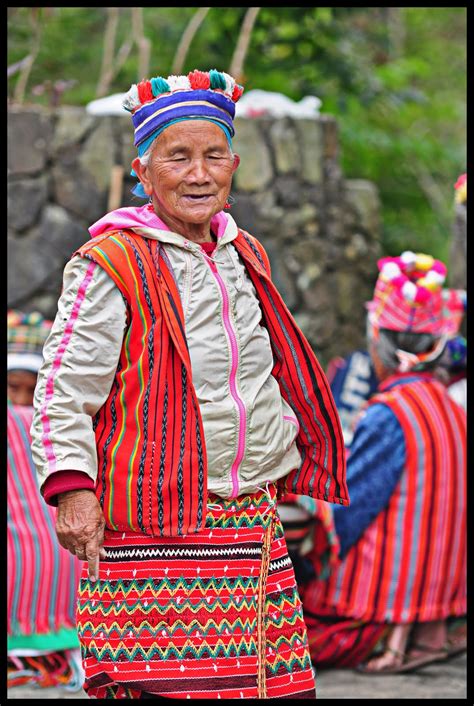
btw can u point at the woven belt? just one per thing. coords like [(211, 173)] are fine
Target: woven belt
[(261, 633)]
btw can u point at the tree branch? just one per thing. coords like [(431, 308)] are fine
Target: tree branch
[(107, 70), (111, 65), (243, 41), (18, 66), (433, 193), (20, 88), (142, 42), (188, 36)]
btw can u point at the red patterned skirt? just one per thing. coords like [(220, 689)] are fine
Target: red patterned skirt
[(211, 615)]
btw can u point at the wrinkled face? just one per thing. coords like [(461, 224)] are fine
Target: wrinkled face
[(21, 387), (189, 173)]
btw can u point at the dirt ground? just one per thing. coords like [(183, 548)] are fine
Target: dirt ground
[(444, 680)]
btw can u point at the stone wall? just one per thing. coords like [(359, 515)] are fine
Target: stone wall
[(321, 231)]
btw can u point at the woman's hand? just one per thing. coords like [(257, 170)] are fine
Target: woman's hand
[(80, 527)]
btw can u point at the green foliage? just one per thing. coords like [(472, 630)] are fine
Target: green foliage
[(395, 78)]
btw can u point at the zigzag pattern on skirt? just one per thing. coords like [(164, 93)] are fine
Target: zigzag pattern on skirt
[(201, 616)]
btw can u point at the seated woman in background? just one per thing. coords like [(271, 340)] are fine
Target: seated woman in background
[(401, 581), (43, 647)]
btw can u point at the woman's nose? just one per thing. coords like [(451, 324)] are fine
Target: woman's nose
[(198, 171)]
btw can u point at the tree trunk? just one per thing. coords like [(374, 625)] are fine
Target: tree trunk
[(243, 41), (142, 42), (107, 68), (187, 38), (111, 64)]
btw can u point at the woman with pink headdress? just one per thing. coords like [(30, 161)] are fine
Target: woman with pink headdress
[(401, 580)]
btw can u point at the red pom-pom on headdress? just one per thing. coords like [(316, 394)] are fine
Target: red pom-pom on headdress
[(145, 93), (237, 92), (199, 80)]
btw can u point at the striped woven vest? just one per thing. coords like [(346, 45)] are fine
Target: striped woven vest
[(410, 563), (152, 465)]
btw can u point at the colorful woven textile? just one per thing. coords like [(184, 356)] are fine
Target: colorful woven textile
[(455, 304), (27, 334), (342, 643), (215, 615), (410, 563), (159, 102), (42, 576), (407, 295), (152, 474), (311, 537), (60, 668)]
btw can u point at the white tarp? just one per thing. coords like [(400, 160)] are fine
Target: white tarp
[(254, 104)]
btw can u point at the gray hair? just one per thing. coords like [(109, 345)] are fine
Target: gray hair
[(389, 342)]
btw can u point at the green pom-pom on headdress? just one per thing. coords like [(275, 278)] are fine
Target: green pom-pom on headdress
[(159, 86), (217, 79)]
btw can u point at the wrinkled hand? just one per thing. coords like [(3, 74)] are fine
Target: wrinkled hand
[(80, 527)]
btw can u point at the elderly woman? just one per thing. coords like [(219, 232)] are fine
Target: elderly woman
[(402, 578), (177, 400)]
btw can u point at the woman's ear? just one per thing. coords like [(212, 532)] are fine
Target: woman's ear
[(142, 173), (236, 162)]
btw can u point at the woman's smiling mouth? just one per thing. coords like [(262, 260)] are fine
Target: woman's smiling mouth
[(198, 197)]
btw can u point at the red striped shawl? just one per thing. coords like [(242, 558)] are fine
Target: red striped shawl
[(152, 467), (42, 576), (410, 563)]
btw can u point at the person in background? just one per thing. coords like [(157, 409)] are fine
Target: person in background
[(458, 246), (308, 523), (453, 362), (178, 398), (401, 579), (26, 336), (42, 577), (352, 381)]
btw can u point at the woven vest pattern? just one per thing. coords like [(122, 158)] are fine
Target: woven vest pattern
[(410, 563), (152, 465)]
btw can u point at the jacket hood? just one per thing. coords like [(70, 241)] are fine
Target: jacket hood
[(144, 220)]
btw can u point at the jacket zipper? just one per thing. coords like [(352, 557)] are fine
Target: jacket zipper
[(232, 379)]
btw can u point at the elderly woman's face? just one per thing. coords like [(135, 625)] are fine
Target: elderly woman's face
[(189, 173)]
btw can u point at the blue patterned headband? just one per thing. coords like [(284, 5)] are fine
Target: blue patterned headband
[(158, 103)]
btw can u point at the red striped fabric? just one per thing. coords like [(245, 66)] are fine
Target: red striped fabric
[(150, 440), (410, 563), (42, 577), (343, 643)]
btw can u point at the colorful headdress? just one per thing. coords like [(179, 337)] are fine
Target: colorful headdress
[(460, 189), (408, 294), (27, 334), (454, 304), (158, 103)]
